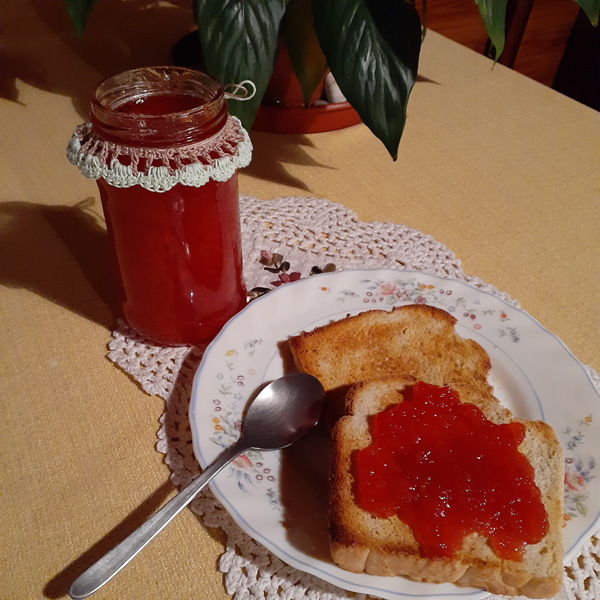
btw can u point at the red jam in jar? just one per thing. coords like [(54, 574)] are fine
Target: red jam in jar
[(447, 471), (177, 250)]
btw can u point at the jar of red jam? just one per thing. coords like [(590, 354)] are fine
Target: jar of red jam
[(165, 153)]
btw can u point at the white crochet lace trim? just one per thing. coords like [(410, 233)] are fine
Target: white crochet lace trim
[(157, 169), (307, 232)]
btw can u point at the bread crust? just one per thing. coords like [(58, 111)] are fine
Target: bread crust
[(362, 542), (417, 338), (364, 362)]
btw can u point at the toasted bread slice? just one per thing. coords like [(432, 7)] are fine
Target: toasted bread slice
[(418, 339), (360, 541)]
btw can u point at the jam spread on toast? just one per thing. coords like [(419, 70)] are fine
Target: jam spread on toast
[(447, 471)]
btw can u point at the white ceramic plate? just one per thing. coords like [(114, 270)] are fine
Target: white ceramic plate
[(279, 498)]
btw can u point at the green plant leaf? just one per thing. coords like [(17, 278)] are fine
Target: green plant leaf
[(239, 39), (493, 13), (80, 11), (591, 8), (306, 56), (372, 48)]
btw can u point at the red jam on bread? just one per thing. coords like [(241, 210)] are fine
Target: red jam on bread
[(447, 471)]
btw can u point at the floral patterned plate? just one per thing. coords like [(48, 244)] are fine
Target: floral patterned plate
[(280, 498)]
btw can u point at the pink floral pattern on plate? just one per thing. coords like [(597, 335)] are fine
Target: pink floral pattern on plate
[(388, 293), (527, 360), (579, 470)]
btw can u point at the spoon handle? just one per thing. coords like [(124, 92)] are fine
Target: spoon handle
[(113, 561)]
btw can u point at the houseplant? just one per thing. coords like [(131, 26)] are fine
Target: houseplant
[(371, 47)]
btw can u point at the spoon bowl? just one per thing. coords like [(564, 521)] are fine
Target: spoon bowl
[(281, 414)]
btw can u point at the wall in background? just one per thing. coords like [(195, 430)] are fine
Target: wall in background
[(543, 44)]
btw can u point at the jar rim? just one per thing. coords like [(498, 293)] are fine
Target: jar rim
[(122, 88)]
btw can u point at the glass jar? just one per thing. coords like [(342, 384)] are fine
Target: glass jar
[(165, 152)]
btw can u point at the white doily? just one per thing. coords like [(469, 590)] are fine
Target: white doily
[(307, 233), (159, 169)]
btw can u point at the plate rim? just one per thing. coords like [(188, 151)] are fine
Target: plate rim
[(279, 291)]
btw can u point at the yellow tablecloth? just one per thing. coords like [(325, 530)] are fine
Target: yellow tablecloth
[(498, 168)]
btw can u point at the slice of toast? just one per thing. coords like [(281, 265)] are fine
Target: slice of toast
[(363, 542), (417, 338)]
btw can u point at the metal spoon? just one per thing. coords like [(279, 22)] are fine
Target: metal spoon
[(281, 414)]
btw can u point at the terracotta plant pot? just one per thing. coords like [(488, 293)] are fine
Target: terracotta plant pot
[(284, 87), (282, 109)]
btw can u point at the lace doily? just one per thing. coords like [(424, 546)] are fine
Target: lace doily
[(297, 236), (158, 169)]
